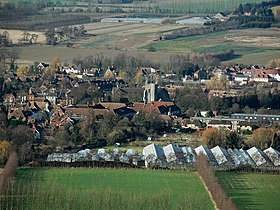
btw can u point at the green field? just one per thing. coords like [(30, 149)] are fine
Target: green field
[(252, 191), (200, 6), (106, 189), (251, 46)]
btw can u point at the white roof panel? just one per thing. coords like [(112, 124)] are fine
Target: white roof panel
[(256, 155), (273, 155)]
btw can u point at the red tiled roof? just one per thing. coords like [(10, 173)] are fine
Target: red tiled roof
[(152, 106), (111, 106)]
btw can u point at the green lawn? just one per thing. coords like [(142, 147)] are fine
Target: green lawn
[(252, 191), (106, 189)]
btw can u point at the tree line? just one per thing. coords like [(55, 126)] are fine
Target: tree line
[(208, 28), (258, 15), (262, 138), (207, 174), (193, 99), (56, 35), (110, 128)]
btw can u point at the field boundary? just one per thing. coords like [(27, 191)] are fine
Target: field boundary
[(206, 188)]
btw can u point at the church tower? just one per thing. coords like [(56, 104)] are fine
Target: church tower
[(150, 92)]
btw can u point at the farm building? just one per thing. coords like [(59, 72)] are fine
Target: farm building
[(247, 157), (154, 155), (207, 152), (258, 156), (189, 154), (172, 156), (273, 155), (173, 153), (221, 155)]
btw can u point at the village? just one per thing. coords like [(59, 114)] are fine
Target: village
[(58, 103), (132, 104)]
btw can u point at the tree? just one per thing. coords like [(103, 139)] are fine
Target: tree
[(109, 74), (210, 114), (51, 36), (240, 9), (5, 40), (213, 137), (5, 148), (263, 138), (116, 136), (55, 62), (23, 71), (13, 54), (89, 127), (234, 140), (218, 83), (277, 13)]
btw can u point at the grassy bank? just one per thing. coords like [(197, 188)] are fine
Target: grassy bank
[(107, 189)]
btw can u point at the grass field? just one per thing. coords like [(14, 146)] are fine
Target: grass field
[(253, 46), (252, 191), (200, 6), (107, 189)]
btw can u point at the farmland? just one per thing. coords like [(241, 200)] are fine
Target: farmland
[(252, 191), (107, 189), (245, 43), (252, 46)]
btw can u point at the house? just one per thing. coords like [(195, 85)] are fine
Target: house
[(10, 100), (241, 78), (219, 124), (245, 126), (221, 16), (72, 69), (159, 107), (124, 112), (42, 66), (17, 114), (131, 93), (255, 117), (262, 78), (192, 123)]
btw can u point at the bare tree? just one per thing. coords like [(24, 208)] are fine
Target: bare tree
[(13, 54)]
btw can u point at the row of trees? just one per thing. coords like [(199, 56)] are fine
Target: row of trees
[(264, 101), (261, 138), (110, 128), (19, 136), (207, 174), (256, 15), (54, 36), (209, 28), (179, 64), (28, 37)]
